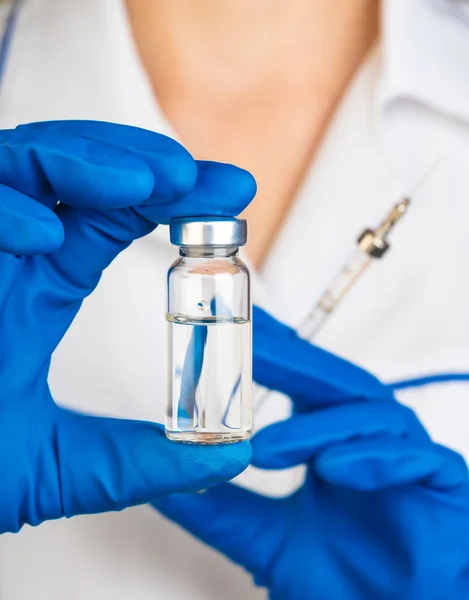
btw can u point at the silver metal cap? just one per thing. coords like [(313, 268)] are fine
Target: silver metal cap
[(208, 231)]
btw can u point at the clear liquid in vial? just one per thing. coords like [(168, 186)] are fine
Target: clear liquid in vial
[(209, 379)]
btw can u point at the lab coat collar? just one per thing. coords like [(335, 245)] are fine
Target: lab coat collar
[(426, 55)]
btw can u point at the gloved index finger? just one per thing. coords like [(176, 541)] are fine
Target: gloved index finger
[(308, 374), (200, 187)]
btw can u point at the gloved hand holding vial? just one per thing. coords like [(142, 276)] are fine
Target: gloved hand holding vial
[(209, 333), (73, 196)]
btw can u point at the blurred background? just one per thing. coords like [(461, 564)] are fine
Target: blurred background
[(339, 110)]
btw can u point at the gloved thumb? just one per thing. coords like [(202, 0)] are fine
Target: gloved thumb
[(110, 464)]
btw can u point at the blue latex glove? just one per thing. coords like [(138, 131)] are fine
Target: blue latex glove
[(383, 512), (114, 184)]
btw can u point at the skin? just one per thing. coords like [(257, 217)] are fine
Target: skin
[(254, 84)]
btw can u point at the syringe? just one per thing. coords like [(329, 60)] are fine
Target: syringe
[(371, 244)]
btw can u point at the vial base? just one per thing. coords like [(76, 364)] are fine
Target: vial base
[(205, 438)]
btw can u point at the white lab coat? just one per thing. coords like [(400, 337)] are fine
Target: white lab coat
[(409, 316)]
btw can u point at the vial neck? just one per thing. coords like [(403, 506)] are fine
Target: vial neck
[(208, 251)]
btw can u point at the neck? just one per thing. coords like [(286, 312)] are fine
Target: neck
[(246, 81), (239, 45)]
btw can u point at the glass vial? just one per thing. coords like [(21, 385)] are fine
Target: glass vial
[(209, 333)]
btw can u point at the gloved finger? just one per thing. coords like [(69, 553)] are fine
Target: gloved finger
[(299, 439), (234, 521), (52, 167), (221, 190), (10, 268), (94, 238), (212, 195), (27, 227), (309, 375), (378, 464), (158, 151), (109, 464)]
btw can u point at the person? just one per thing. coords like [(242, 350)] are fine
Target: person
[(334, 116)]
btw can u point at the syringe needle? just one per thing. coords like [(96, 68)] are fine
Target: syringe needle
[(426, 176)]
